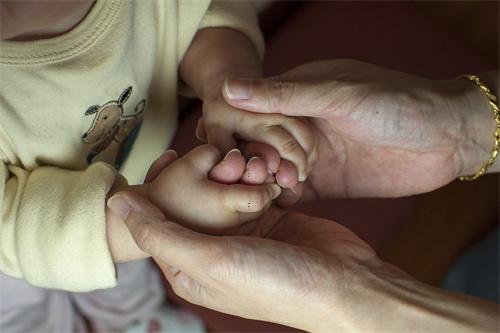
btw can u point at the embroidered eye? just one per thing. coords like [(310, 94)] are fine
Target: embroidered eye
[(105, 117)]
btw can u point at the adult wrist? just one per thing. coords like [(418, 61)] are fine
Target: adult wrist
[(381, 298), (476, 140), (355, 300)]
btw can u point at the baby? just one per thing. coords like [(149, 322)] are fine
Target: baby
[(87, 88)]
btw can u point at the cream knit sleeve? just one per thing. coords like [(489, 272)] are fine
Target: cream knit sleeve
[(52, 226)]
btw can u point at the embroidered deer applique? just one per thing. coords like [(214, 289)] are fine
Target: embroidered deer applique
[(110, 124)]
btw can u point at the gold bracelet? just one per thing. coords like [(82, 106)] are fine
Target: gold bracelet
[(492, 100)]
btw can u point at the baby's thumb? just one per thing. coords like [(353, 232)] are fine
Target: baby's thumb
[(271, 95)]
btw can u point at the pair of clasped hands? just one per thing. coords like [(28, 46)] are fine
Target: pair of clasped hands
[(327, 129)]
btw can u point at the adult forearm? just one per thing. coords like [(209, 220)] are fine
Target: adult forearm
[(385, 299), (215, 54)]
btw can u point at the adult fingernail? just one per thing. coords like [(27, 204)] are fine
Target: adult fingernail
[(119, 206), (232, 151), (171, 152), (237, 90)]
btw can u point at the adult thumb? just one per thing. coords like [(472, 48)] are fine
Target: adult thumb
[(172, 243), (270, 95)]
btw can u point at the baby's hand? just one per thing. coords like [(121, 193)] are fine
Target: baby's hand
[(290, 137), (184, 192)]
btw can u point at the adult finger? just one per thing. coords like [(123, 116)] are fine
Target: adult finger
[(161, 163), (272, 95), (177, 246)]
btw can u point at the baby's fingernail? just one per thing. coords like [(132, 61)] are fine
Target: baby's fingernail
[(232, 151), (251, 160), (237, 90), (119, 206), (247, 169), (276, 190), (278, 182), (302, 176)]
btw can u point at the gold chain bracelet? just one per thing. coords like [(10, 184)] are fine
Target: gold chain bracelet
[(492, 100)]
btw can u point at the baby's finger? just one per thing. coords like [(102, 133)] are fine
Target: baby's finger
[(287, 175), (270, 179), (220, 137), (266, 152), (302, 132), (230, 169), (287, 146), (161, 163), (249, 198), (255, 172)]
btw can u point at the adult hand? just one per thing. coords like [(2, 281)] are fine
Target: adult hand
[(300, 271), (380, 133)]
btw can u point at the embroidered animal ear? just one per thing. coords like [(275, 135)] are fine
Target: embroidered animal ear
[(124, 96), (139, 108), (91, 110)]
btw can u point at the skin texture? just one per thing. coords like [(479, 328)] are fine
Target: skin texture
[(217, 53), (300, 271), (30, 20), (379, 133), (323, 277), (175, 184)]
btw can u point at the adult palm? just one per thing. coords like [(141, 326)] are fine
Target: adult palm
[(307, 266)]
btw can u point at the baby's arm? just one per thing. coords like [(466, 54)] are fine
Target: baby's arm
[(53, 226), (216, 54)]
